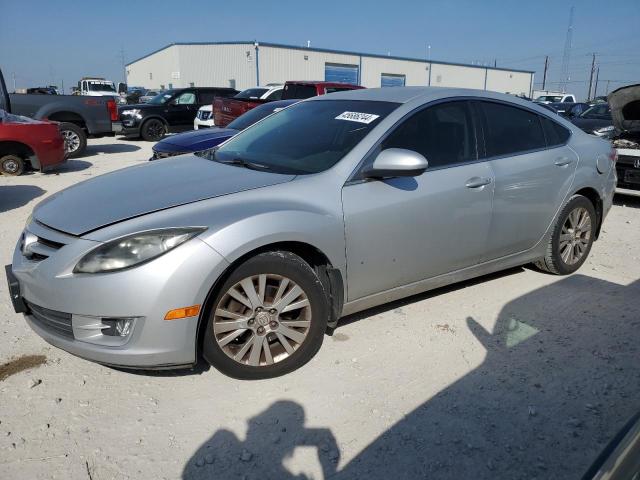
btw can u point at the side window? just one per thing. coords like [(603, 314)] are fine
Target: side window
[(569, 100), (335, 89), (510, 130), (206, 96), (556, 134), (443, 134), (277, 95), (187, 98)]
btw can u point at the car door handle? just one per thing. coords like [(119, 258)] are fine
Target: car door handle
[(563, 162), (477, 182)]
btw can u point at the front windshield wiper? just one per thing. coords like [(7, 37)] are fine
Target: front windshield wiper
[(244, 163)]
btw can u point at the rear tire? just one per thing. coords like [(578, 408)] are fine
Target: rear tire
[(11, 165), (75, 139), (286, 327), (571, 239), (152, 130)]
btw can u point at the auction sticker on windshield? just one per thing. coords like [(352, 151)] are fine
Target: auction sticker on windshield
[(357, 117)]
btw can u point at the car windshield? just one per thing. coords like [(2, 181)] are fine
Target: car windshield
[(599, 110), (162, 97), (549, 98), (308, 137), (101, 87), (252, 116), (252, 93)]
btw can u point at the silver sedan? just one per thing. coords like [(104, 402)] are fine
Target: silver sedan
[(249, 253)]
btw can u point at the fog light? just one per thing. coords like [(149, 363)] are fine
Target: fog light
[(117, 327)]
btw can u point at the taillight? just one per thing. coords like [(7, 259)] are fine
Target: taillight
[(613, 155), (113, 110)]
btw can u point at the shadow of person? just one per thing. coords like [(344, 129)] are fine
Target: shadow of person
[(559, 379), (272, 436)]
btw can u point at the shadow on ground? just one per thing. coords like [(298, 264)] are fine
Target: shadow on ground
[(111, 148), (15, 196), (627, 200), (560, 378)]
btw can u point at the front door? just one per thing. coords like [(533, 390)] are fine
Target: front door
[(402, 230), (181, 111)]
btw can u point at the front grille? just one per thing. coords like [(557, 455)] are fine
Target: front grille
[(159, 155), (627, 160), (52, 321), (38, 248)]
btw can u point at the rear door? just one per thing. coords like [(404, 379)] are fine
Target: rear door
[(403, 230), (533, 174)]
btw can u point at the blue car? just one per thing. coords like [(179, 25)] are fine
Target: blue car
[(199, 140)]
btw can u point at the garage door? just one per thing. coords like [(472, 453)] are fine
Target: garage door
[(337, 72), (392, 80)]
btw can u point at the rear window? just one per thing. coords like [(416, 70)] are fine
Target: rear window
[(292, 91), (251, 93), (510, 130), (555, 133)]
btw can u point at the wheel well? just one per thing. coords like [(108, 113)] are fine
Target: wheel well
[(330, 277), (68, 117), (16, 148), (595, 199)]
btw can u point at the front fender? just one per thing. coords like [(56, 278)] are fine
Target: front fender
[(319, 230)]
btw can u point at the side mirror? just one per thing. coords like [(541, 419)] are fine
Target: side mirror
[(396, 162)]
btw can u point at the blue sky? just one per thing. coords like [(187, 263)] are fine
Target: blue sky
[(45, 42)]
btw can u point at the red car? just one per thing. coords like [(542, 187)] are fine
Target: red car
[(25, 142)]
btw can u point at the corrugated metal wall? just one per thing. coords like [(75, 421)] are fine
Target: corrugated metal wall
[(235, 65)]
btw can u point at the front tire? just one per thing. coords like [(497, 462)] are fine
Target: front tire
[(572, 237), (268, 318), (75, 139), (152, 130), (11, 165)]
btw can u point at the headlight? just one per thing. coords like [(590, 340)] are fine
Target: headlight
[(134, 112), (604, 130), (134, 249)]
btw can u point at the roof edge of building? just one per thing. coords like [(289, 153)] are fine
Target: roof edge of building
[(328, 50)]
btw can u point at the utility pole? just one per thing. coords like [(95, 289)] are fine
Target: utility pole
[(13, 76), (495, 62), (595, 88), (544, 76), (566, 55), (429, 52), (124, 68), (593, 69), (607, 92)]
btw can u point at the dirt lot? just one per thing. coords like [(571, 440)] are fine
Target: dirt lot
[(518, 375)]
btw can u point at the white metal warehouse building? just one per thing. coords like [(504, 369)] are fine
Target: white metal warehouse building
[(246, 64)]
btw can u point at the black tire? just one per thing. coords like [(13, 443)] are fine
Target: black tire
[(287, 265), (75, 139), (553, 261), (153, 130), (11, 165)]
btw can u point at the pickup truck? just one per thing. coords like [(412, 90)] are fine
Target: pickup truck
[(79, 116), (227, 110)]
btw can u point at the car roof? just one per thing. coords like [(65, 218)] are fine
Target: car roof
[(409, 94)]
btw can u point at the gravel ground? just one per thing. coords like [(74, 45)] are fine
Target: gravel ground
[(516, 375)]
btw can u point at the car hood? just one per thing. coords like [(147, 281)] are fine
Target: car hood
[(196, 140), (142, 189), (625, 108)]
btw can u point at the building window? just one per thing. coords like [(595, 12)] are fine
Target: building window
[(192, 84), (170, 86), (232, 83), (337, 72), (150, 76), (392, 80), (162, 87)]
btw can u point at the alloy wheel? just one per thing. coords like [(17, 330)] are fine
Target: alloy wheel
[(71, 141), (575, 236), (155, 129), (10, 166), (261, 320)]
